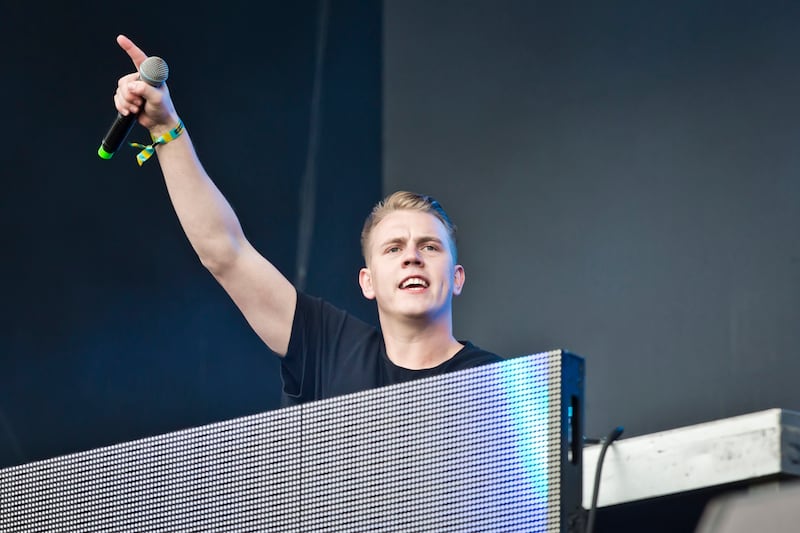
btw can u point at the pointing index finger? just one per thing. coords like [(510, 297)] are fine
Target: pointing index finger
[(133, 51)]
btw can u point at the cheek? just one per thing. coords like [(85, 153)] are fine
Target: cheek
[(377, 280)]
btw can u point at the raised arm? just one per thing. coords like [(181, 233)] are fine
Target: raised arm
[(265, 297)]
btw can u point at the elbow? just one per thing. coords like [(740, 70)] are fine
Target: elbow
[(220, 257), (215, 265)]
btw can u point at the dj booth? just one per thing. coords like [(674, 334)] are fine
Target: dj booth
[(494, 448)]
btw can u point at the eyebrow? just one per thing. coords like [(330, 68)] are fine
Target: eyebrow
[(420, 240)]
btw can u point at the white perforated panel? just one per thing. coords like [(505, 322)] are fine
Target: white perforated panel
[(478, 450)]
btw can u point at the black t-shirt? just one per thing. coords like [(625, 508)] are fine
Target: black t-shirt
[(332, 353)]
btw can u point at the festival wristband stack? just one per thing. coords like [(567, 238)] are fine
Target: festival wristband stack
[(150, 149)]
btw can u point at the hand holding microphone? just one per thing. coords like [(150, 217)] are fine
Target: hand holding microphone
[(141, 96)]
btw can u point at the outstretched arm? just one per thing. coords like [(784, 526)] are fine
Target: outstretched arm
[(265, 297)]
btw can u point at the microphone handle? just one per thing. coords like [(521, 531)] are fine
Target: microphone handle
[(116, 135)]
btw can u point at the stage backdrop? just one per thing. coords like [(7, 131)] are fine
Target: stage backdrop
[(111, 329), (625, 180), (627, 183)]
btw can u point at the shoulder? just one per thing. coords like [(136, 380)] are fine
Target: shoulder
[(318, 318), (314, 307)]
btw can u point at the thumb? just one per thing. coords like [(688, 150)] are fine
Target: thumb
[(134, 52)]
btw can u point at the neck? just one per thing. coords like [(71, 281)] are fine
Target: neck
[(417, 344)]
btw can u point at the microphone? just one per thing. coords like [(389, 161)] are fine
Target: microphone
[(154, 72)]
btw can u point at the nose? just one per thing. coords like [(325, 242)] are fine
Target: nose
[(411, 256)]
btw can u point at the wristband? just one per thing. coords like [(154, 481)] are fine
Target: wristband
[(150, 149)]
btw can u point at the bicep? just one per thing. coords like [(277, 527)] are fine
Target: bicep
[(264, 296)]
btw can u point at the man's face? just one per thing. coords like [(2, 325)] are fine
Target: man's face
[(410, 270)]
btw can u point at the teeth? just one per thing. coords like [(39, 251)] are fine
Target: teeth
[(414, 281)]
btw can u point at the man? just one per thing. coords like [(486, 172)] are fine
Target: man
[(411, 272)]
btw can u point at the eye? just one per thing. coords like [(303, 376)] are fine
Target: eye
[(393, 250), (430, 248)]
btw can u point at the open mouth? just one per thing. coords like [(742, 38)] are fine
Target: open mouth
[(414, 283)]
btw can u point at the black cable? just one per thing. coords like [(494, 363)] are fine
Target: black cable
[(611, 437)]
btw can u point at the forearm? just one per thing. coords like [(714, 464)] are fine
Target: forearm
[(205, 215)]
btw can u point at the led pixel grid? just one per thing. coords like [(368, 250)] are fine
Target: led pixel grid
[(483, 449)]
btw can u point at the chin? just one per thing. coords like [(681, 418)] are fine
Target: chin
[(416, 310), (420, 313)]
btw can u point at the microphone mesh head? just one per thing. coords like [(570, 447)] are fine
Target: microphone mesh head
[(154, 71)]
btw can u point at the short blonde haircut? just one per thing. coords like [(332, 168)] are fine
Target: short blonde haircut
[(404, 200)]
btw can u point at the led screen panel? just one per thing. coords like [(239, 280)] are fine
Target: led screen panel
[(484, 449)]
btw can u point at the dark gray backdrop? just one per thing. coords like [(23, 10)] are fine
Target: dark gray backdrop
[(111, 329), (627, 181), (624, 177)]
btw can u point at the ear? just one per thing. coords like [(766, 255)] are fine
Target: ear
[(460, 277), (365, 280)]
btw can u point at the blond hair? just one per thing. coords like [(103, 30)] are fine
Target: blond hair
[(404, 200)]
